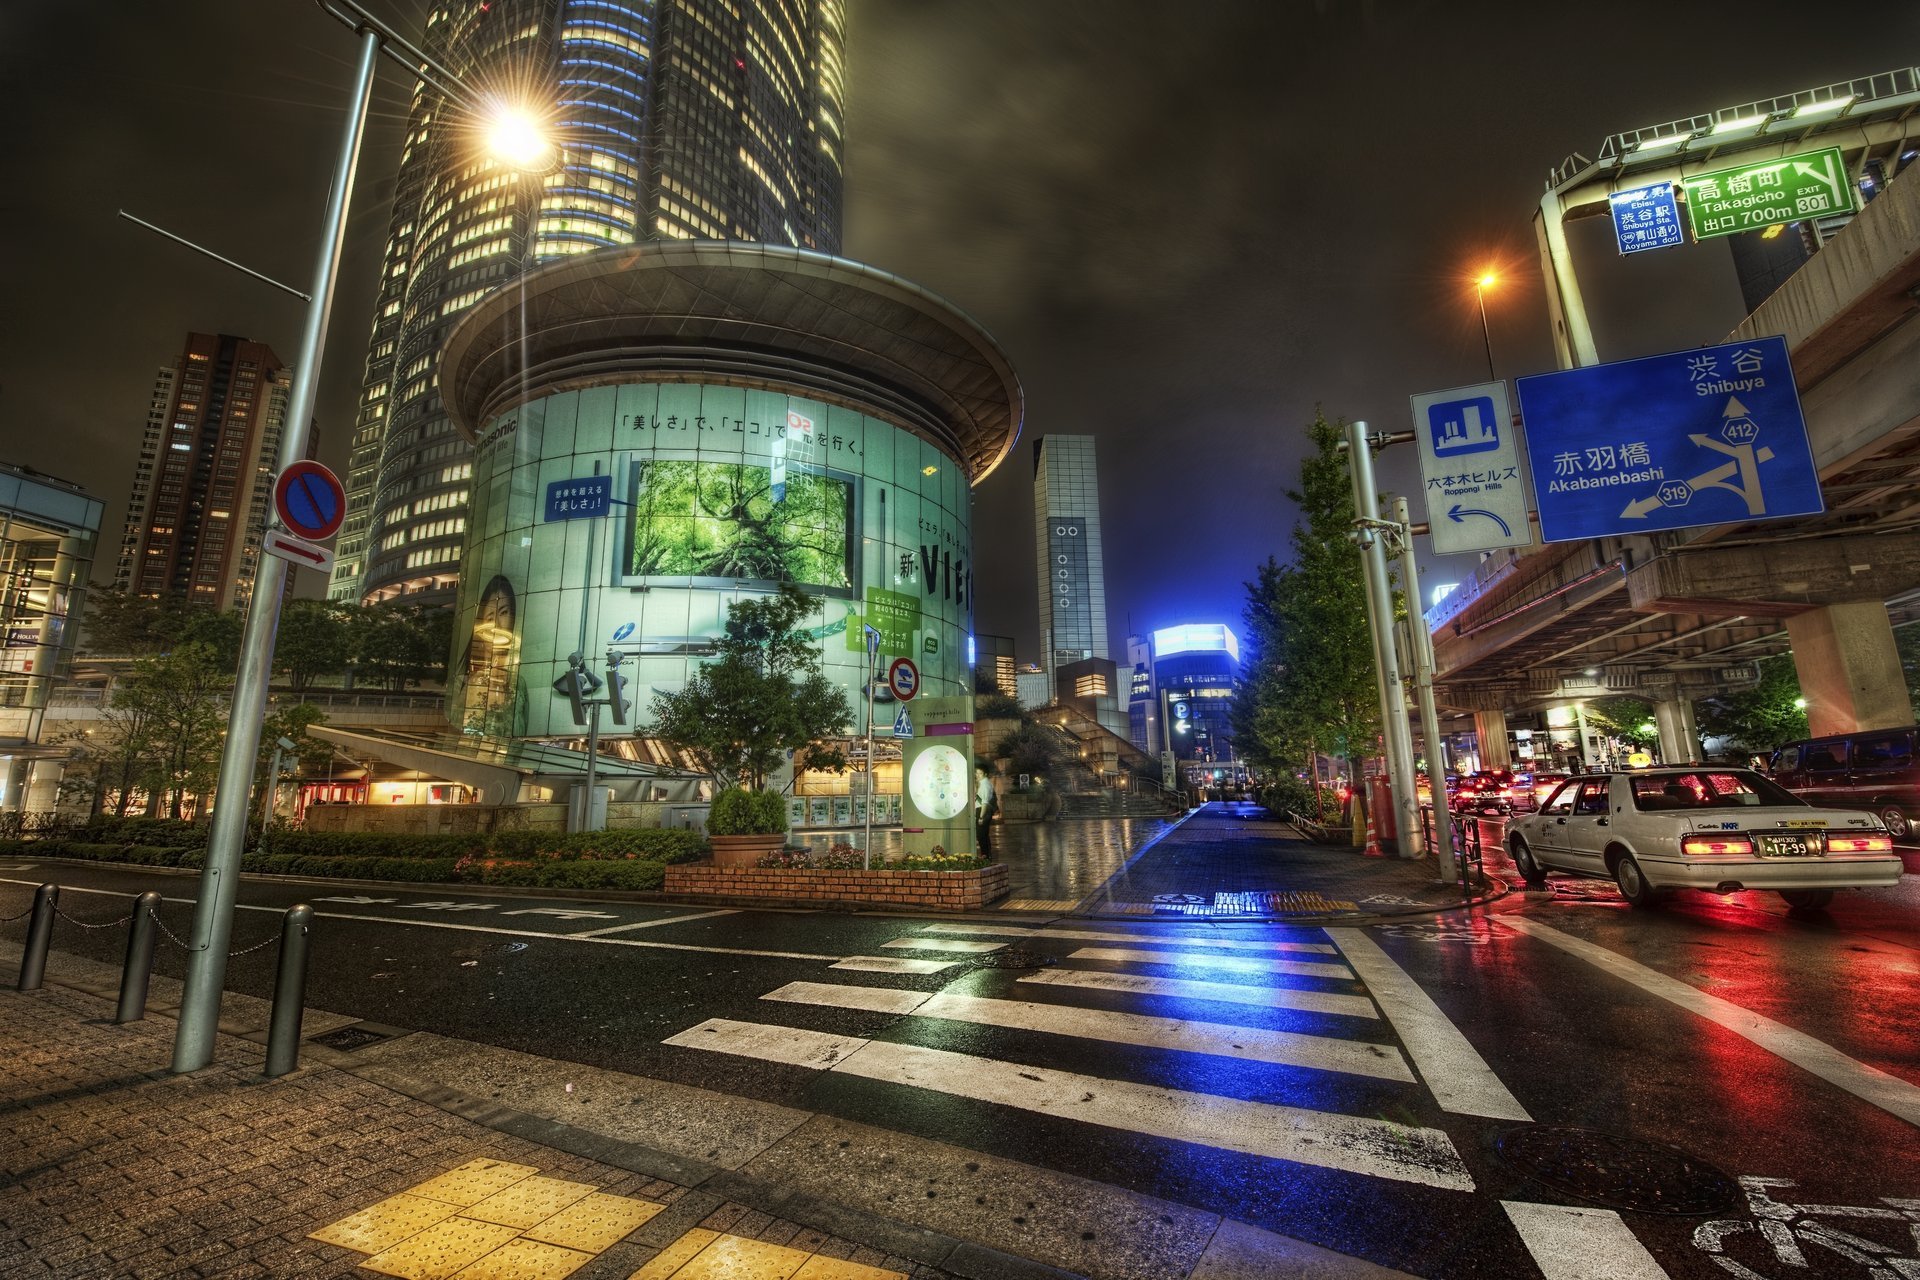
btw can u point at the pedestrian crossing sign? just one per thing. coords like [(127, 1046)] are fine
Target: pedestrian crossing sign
[(903, 724)]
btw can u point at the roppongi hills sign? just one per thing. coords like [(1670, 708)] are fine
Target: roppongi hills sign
[(717, 492)]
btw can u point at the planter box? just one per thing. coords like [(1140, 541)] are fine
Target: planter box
[(745, 851), (792, 886)]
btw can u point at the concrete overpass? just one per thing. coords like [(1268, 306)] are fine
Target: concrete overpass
[(1673, 616)]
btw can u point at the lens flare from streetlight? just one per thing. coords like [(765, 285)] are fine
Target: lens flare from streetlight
[(1488, 280), (517, 139)]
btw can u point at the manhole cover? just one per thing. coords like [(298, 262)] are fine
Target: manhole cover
[(1012, 958), (349, 1038), (1619, 1172)]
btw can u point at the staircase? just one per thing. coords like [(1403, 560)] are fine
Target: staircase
[(1118, 802), (1093, 759)]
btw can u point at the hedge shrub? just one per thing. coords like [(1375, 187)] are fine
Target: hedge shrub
[(374, 844), (573, 874), (737, 811), (106, 829), (655, 844)]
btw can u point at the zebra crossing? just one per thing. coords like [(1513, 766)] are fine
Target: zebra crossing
[(1358, 999)]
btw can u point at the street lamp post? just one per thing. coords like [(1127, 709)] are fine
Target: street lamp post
[(1480, 288)]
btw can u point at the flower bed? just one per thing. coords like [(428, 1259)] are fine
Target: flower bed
[(816, 887)]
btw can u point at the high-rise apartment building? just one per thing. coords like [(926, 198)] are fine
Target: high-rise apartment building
[(1072, 569), (203, 483), (675, 119)]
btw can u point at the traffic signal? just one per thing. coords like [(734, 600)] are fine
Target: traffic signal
[(577, 685), (617, 688)]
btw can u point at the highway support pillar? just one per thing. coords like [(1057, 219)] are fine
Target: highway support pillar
[(1491, 728), (1679, 739), (1849, 668)]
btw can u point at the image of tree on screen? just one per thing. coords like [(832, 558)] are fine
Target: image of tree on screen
[(721, 520)]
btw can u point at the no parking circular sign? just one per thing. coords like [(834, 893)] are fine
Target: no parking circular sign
[(904, 679), (310, 501)]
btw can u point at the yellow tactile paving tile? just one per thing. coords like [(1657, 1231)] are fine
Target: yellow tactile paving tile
[(473, 1181), (526, 1260), (442, 1251), (819, 1268), (676, 1255), (383, 1225), (595, 1223), (738, 1258), (529, 1201)]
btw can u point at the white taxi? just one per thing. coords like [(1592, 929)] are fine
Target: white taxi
[(1720, 830)]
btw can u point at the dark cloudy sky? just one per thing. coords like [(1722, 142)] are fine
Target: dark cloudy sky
[(1187, 224)]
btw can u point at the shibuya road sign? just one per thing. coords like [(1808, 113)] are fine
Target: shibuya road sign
[(1727, 201), (1713, 435)]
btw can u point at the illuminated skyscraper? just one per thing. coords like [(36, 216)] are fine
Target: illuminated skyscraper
[(676, 119), (203, 480), (1072, 569)]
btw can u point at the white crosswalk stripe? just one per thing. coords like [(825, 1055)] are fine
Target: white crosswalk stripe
[(1136, 939), (893, 964), (1254, 1044), (1221, 992), (1222, 964), (1355, 1144), (1180, 1042)]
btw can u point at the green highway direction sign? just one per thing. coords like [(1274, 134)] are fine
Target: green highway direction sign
[(1729, 201)]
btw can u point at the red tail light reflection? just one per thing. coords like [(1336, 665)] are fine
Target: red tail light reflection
[(1859, 844), (1716, 845)]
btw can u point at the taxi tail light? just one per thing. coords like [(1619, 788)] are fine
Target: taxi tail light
[(1709, 846), (1859, 844)]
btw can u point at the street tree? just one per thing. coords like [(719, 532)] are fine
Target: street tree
[(315, 639), (761, 696), (1761, 718), (1310, 687), (181, 699)]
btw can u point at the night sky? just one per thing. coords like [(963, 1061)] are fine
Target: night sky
[(1188, 225)]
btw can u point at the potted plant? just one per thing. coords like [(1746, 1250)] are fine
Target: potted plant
[(745, 826)]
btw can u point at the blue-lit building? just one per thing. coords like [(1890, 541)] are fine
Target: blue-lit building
[(1196, 672)]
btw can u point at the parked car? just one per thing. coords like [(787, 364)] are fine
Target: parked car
[(1483, 793), (1721, 830), (1872, 769)]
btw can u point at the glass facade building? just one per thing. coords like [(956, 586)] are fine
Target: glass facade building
[(677, 120), (1196, 670), (203, 482)]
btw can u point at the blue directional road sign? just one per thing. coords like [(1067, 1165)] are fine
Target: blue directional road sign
[(1647, 218), (580, 498), (1708, 436), (1470, 469)]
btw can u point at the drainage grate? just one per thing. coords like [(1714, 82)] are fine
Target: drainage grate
[(350, 1038), (1280, 902), (1012, 958), (1618, 1172)]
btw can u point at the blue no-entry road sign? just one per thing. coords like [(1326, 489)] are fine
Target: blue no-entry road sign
[(1714, 435), (1647, 218), (309, 500), (580, 498)]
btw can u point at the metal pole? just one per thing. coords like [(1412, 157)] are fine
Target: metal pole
[(289, 992), (1480, 294), (866, 848), (220, 881), (33, 960), (1399, 733), (273, 786), (1422, 644), (137, 974), (587, 822)]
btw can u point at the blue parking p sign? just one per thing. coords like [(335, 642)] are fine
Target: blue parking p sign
[(1714, 435)]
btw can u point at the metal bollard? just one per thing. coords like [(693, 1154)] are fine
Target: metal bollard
[(289, 993), (33, 961), (136, 975)]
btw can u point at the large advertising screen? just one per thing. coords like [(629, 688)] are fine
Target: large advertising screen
[(700, 523)]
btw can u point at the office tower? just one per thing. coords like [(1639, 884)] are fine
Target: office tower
[(1072, 573), (675, 119), (1143, 711), (993, 657), (203, 483)]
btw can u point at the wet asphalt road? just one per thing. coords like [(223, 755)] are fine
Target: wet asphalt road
[(1572, 1043)]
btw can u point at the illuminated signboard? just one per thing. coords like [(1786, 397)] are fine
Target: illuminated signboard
[(1199, 637), (1727, 201)]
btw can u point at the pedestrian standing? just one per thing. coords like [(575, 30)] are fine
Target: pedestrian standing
[(985, 802)]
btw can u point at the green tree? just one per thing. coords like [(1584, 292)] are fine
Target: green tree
[(1624, 717), (309, 753), (1309, 686), (119, 623), (761, 696), (1761, 718), (397, 644), (180, 698), (315, 639)]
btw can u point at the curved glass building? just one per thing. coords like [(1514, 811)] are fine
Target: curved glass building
[(660, 431), (679, 119)]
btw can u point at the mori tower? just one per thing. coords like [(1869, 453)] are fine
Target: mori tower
[(673, 120)]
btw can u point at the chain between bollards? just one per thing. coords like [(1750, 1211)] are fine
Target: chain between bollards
[(33, 961), (136, 975), (289, 992)]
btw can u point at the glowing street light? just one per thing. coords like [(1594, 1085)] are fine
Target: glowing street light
[(516, 138), (1480, 287)]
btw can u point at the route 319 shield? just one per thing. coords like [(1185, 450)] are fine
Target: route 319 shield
[(1470, 469)]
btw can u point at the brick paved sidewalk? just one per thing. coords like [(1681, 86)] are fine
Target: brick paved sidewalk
[(1233, 861), (110, 1167)]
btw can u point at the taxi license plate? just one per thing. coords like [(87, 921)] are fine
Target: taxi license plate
[(1794, 846)]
